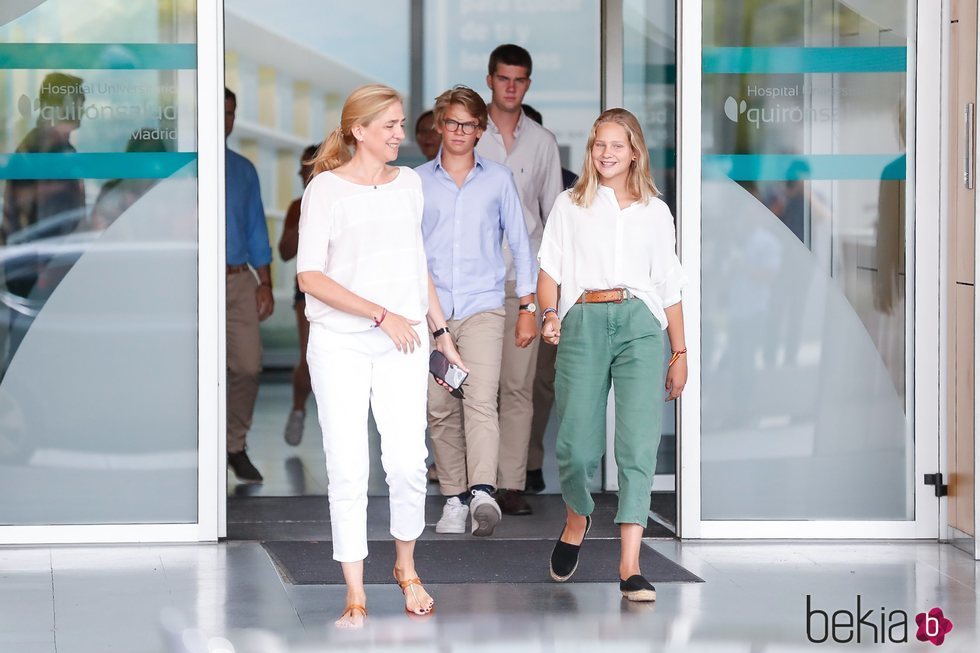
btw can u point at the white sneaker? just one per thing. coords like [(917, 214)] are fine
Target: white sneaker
[(454, 515), (294, 428), (485, 511)]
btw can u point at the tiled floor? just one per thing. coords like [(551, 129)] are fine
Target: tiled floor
[(230, 597), (118, 598)]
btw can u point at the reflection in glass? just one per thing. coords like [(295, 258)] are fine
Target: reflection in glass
[(649, 91), (98, 263), (803, 261)]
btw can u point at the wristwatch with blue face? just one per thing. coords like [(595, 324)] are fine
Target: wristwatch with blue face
[(528, 308)]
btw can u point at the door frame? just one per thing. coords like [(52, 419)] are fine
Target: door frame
[(211, 338), (950, 131), (922, 308), (976, 333)]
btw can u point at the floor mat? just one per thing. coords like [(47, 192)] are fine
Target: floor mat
[(308, 518), (470, 561)]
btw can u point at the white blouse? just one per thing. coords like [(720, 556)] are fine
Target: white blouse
[(604, 247), (369, 240)]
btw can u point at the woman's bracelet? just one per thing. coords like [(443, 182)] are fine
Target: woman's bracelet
[(384, 314), (675, 355), (545, 312)]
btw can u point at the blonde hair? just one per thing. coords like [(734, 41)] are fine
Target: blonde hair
[(639, 183), (465, 97), (365, 104)]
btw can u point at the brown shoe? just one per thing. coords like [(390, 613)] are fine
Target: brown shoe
[(512, 503)]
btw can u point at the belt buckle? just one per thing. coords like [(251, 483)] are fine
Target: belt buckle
[(622, 295)]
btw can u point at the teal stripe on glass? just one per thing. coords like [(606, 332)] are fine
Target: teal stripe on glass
[(757, 167), (101, 165), (100, 56), (650, 73), (805, 60)]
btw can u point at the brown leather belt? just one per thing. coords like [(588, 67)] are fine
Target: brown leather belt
[(235, 269), (616, 295)]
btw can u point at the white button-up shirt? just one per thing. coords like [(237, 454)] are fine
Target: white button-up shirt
[(369, 240), (604, 247), (536, 166)]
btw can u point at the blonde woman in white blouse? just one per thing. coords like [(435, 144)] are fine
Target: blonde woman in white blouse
[(609, 247), (361, 264)]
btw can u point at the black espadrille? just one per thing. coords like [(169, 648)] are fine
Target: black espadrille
[(564, 557), (637, 588)]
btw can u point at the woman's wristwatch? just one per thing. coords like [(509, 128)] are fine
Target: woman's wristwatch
[(440, 332)]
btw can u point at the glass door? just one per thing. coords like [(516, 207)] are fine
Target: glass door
[(808, 147), (108, 301)]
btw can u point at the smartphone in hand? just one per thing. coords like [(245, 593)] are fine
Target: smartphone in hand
[(443, 370)]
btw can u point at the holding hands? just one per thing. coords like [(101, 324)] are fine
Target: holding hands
[(526, 330), (551, 329)]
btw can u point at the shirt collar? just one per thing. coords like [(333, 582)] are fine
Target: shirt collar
[(610, 195), (477, 163), (492, 126)]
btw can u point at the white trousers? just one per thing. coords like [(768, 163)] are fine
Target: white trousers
[(350, 372)]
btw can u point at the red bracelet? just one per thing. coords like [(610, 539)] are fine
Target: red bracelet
[(384, 314)]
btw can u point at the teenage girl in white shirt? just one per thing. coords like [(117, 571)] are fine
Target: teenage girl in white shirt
[(609, 246), (361, 264)]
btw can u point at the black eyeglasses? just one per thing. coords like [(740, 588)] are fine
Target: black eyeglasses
[(454, 125)]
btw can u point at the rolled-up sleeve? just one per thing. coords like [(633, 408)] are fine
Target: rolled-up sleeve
[(512, 222), (675, 278), (314, 230), (550, 254)]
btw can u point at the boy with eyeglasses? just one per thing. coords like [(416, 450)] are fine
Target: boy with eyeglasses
[(471, 206)]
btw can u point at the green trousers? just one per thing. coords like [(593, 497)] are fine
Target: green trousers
[(622, 344)]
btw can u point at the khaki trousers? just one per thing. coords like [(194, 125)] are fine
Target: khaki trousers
[(542, 401), (243, 355), (465, 432), (516, 381)]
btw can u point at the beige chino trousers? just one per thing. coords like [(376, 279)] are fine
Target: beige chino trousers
[(243, 355), (516, 382), (465, 432)]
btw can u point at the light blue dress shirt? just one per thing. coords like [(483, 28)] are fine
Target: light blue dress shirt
[(462, 229), (247, 237)]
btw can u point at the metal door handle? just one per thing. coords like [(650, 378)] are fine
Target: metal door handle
[(969, 151)]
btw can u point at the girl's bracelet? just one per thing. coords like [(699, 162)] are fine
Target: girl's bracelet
[(384, 314), (545, 312), (675, 355)]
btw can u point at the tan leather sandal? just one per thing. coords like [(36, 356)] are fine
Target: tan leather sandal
[(352, 609), (410, 584)]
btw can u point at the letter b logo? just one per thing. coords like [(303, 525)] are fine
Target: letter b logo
[(933, 626)]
